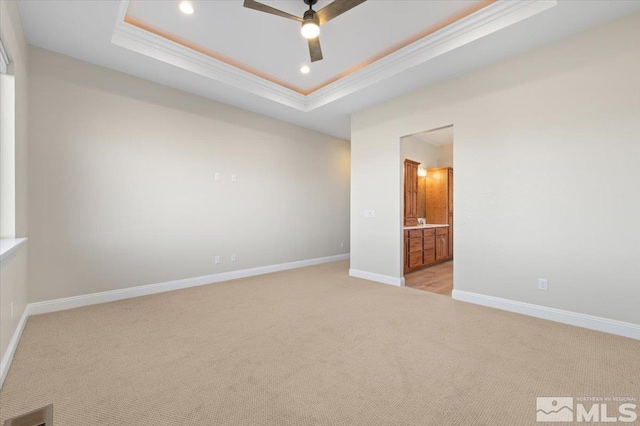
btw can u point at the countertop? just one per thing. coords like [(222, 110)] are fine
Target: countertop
[(430, 225)]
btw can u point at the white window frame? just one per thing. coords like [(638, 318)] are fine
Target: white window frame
[(4, 59), (8, 243)]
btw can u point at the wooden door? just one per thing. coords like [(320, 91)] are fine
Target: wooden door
[(437, 192), (450, 222), (406, 250), (410, 192), (450, 238), (429, 247), (407, 189), (414, 190), (442, 247), (450, 186)]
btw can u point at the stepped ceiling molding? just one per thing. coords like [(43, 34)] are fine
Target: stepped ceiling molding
[(378, 51), (355, 56)]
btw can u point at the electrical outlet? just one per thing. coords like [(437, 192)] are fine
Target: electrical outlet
[(234, 178), (542, 284), (369, 213), (11, 312), (217, 177), (217, 259), (342, 244), (233, 257)]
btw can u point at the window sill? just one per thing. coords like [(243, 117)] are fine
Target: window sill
[(9, 245)]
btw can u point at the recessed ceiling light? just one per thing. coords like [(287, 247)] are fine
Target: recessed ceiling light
[(186, 7), (305, 69)]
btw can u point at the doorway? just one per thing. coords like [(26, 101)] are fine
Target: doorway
[(427, 228)]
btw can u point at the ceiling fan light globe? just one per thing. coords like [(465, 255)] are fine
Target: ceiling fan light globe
[(310, 30), (186, 7)]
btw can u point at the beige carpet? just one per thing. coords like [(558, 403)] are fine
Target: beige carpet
[(307, 347)]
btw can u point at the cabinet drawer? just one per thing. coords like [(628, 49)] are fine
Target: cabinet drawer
[(429, 256), (429, 242), (442, 231), (429, 232), (415, 233), (415, 244), (415, 259)]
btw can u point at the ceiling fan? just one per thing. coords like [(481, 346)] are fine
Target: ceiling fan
[(311, 20)]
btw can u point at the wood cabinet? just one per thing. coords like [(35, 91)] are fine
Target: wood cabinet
[(442, 245), (450, 236), (424, 247), (413, 246), (439, 207), (450, 203), (410, 192)]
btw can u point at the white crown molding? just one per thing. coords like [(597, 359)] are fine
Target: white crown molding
[(490, 19), (157, 47), (591, 322)]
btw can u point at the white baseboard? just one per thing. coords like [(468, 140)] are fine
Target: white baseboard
[(144, 290), (566, 317), (372, 276), (127, 293), (5, 363)]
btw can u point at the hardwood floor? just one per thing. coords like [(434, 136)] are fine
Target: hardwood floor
[(436, 279)]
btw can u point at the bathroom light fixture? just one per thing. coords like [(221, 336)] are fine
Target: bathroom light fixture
[(305, 69), (422, 171), (186, 7)]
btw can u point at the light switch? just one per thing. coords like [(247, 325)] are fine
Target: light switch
[(369, 213)]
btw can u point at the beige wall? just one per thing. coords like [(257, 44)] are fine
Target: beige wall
[(13, 270), (123, 190), (419, 150), (536, 195), (445, 155)]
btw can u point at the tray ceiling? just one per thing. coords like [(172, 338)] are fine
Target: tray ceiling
[(269, 50), (273, 48), (263, 54)]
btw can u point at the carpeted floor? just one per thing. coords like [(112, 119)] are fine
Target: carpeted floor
[(306, 347)]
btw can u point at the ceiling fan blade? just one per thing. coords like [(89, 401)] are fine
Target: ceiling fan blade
[(314, 49), (336, 8), (252, 4)]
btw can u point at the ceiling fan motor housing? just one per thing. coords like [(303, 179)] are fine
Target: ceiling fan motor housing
[(310, 15), (311, 20)]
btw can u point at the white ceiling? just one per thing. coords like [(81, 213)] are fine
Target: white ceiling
[(272, 45), (275, 46)]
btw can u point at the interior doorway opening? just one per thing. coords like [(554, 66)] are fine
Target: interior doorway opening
[(428, 215)]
